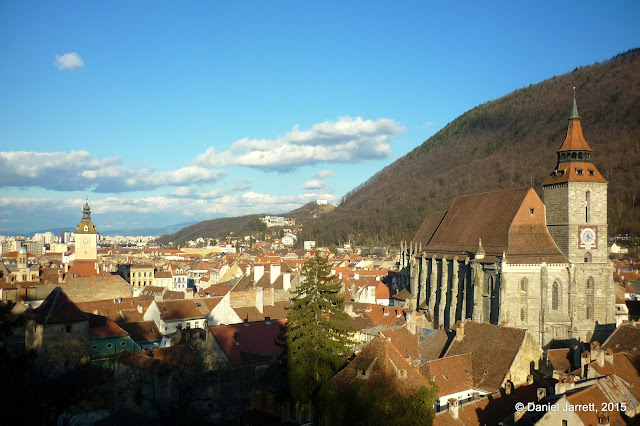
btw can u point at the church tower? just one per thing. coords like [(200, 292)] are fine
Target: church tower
[(575, 195), (86, 237)]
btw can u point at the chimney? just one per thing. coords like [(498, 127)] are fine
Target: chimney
[(597, 353), (459, 331), (541, 394), (608, 355), (258, 272), (140, 309), (348, 308), (260, 299), (274, 272), (508, 387), (603, 418), (585, 359), (453, 407), (286, 281)]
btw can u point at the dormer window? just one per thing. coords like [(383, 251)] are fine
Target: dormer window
[(579, 172), (531, 211), (592, 173), (86, 228)]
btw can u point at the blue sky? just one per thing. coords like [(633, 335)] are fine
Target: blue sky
[(167, 112)]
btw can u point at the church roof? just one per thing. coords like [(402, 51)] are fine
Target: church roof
[(510, 222), (575, 139), (574, 172), (428, 228)]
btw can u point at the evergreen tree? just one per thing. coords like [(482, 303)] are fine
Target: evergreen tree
[(317, 335)]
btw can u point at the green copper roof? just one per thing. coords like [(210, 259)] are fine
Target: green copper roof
[(574, 110)]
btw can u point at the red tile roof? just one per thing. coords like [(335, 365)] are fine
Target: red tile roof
[(254, 340)]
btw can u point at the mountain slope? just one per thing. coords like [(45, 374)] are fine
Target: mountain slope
[(509, 142)]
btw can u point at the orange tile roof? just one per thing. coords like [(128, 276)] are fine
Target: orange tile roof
[(574, 172), (575, 139), (382, 364), (247, 342), (490, 367), (452, 374)]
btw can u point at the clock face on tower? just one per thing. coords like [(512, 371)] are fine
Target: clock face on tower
[(588, 237)]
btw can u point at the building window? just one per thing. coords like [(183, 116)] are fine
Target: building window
[(123, 343), (588, 206), (109, 345), (523, 315), (587, 257), (524, 283), (588, 312), (264, 401), (532, 211), (555, 296), (590, 284), (68, 329)]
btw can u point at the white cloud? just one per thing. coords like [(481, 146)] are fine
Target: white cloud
[(177, 208), (69, 61), (323, 174), (214, 193), (79, 170), (240, 185), (183, 191), (348, 140), (313, 184)]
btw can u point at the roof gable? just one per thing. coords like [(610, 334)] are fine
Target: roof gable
[(57, 307)]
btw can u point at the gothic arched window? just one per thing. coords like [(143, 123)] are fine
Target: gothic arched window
[(524, 283), (555, 296), (589, 309), (523, 314), (590, 284), (587, 257)]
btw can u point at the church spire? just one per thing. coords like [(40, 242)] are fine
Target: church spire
[(574, 110)]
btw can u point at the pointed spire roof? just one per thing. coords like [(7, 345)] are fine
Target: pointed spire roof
[(575, 140), (574, 110)]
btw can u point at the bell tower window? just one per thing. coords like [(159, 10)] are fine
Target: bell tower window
[(587, 209)]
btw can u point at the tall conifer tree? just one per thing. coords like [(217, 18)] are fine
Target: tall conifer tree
[(318, 341)]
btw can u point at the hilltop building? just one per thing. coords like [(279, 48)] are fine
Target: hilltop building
[(507, 258)]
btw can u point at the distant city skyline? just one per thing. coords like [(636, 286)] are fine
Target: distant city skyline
[(164, 113)]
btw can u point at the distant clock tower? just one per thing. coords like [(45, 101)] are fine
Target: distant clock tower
[(86, 237)]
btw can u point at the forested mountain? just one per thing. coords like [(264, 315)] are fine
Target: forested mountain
[(510, 142)]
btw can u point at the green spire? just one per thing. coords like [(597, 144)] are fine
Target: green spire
[(574, 110)]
